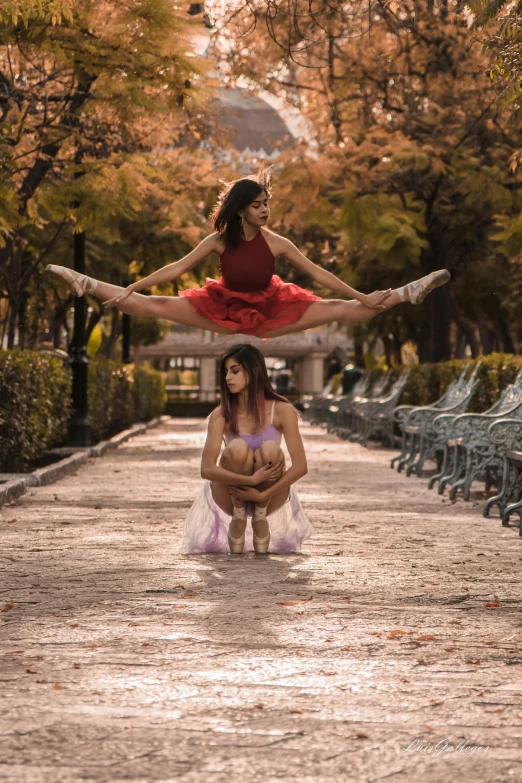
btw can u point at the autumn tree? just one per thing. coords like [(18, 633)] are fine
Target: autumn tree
[(412, 165), (96, 99)]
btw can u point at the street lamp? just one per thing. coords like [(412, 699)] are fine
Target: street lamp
[(79, 432)]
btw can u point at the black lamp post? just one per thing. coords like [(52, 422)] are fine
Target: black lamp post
[(125, 338), (79, 429), (125, 333)]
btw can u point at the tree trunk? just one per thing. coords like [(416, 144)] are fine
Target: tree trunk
[(466, 327), (13, 274), (115, 330), (503, 334)]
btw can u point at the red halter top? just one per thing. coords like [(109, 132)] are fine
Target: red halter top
[(248, 267)]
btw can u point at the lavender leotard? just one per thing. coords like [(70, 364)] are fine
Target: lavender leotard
[(255, 440)]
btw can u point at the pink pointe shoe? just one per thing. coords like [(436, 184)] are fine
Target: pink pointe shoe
[(236, 544), (79, 284), (419, 289), (261, 544)]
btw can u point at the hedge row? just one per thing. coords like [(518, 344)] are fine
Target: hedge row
[(428, 382), (35, 402), (35, 392)]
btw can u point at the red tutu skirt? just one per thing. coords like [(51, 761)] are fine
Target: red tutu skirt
[(251, 313)]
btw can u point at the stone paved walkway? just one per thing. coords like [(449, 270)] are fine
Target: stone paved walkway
[(124, 661)]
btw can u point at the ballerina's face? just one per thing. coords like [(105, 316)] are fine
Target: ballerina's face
[(258, 212), (235, 377)]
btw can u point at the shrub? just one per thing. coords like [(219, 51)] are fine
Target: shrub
[(150, 396), (35, 393), (35, 402), (111, 402), (428, 382)]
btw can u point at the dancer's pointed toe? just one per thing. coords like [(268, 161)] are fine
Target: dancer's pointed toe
[(420, 289), (236, 545), (78, 283), (261, 544)]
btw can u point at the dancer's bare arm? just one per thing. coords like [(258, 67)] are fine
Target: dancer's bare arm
[(210, 244), (288, 417), (211, 470), (327, 279)]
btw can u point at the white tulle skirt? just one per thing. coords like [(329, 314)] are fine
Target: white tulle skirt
[(206, 526)]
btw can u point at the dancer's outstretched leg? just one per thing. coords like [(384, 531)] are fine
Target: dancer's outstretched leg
[(170, 308), (330, 310)]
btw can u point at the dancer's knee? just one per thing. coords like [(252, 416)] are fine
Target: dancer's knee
[(269, 451), (237, 453)]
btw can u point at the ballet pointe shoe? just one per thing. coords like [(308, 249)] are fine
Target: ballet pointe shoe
[(237, 545), (79, 284), (419, 289), (260, 544)]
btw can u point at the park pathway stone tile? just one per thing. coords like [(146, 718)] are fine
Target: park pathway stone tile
[(122, 660)]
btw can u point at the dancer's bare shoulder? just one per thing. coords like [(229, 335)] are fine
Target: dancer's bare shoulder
[(285, 416), (275, 242), (216, 418), (215, 243)]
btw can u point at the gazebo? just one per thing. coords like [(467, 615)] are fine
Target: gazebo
[(306, 350)]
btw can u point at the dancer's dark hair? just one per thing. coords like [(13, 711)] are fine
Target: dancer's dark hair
[(233, 197), (259, 387)]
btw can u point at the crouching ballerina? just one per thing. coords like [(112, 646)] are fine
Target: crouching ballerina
[(251, 479), (248, 298)]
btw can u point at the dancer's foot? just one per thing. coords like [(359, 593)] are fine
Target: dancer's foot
[(260, 530), (417, 291), (236, 530), (79, 284)]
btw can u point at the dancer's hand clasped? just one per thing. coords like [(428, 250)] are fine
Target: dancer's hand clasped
[(376, 299), (116, 301), (248, 490)]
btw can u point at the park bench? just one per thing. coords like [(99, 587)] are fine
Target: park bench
[(337, 411), (342, 425), (467, 452), (419, 442), (506, 437), (374, 417), (314, 408)]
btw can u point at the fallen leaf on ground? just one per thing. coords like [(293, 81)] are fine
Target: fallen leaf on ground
[(7, 606), (426, 638), (57, 686), (491, 604), (286, 603), (11, 521), (474, 662)]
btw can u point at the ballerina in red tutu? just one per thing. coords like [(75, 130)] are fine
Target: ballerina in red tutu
[(248, 298)]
